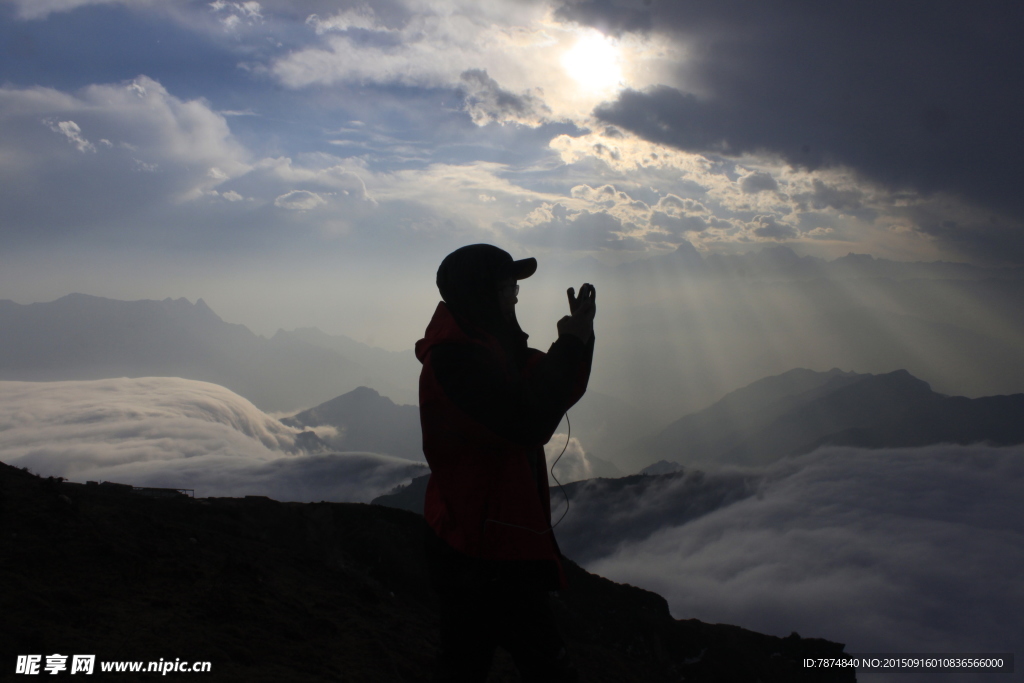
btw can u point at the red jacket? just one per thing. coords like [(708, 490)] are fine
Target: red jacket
[(485, 421)]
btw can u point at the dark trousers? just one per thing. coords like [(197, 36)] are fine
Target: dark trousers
[(491, 604)]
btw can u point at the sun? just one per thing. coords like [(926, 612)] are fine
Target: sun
[(594, 63)]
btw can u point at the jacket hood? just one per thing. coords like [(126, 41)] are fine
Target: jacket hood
[(447, 327)]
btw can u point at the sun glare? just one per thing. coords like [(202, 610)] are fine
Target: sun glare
[(594, 63)]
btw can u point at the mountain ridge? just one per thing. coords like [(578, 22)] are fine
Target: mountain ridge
[(80, 336), (798, 411), (366, 421)]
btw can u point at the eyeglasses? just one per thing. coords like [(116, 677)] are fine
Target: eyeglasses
[(511, 288)]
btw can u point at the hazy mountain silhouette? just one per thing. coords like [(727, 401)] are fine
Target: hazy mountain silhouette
[(782, 262), (393, 373), (307, 591), (604, 424), (688, 328), (366, 421), (800, 410), (87, 337), (408, 496)]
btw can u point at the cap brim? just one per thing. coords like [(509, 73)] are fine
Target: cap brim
[(522, 268)]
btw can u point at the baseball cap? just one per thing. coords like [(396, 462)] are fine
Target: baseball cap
[(479, 267)]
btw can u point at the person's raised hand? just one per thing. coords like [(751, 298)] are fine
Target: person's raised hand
[(584, 305), (582, 308)]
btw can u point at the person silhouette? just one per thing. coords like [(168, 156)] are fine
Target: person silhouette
[(488, 404)]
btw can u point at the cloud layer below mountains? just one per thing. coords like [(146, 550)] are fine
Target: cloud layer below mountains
[(171, 432), (913, 550)]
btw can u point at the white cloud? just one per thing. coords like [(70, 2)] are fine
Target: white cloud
[(573, 464), (232, 14), (626, 152), (37, 9), (355, 17), (486, 101), (299, 200), (73, 133), (143, 126), (519, 45), (914, 550), (171, 432), (557, 226), (761, 198)]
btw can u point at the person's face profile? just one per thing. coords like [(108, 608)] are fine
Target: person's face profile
[(507, 295)]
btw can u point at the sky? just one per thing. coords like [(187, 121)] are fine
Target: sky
[(310, 162)]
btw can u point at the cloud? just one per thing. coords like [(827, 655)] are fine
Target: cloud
[(846, 200), (626, 152), (767, 227), (606, 514), (912, 550), (677, 226), (38, 9), (299, 200), (829, 88), (171, 432), (573, 464), (73, 133), (758, 182), (675, 206), (559, 227), (433, 44), (231, 14), (361, 17), (183, 148), (487, 102)]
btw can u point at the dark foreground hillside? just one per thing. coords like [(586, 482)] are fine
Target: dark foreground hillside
[(270, 591)]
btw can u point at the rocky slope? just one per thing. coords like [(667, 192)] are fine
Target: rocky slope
[(270, 591)]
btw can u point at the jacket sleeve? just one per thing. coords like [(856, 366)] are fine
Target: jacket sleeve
[(526, 410)]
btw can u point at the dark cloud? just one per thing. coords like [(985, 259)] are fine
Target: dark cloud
[(923, 100), (486, 101), (826, 196), (677, 226), (610, 16), (758, 182), (767, 227)]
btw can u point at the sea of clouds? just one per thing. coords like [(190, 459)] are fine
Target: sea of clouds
[(888, 551), (178, 433), (897, 550)]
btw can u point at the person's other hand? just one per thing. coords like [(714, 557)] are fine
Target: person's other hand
[(583, 308)]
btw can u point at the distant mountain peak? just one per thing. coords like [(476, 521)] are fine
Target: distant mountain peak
[(781, 252), (662, 467), (855, 258), (686, 248), (902, 378)]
